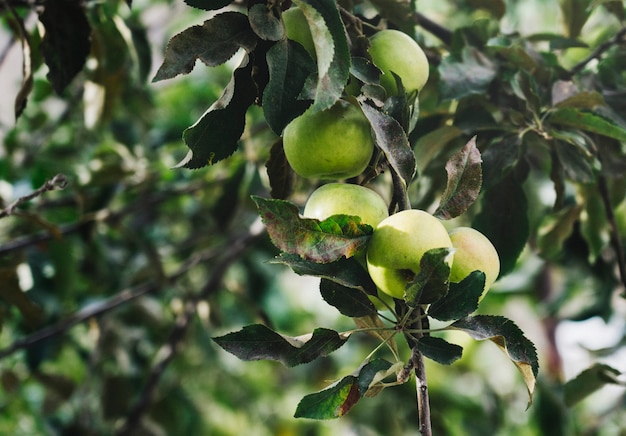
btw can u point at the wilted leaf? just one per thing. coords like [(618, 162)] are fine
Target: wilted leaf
[(588, 382), (208, 5), (461, 300), (264, 23), (332, 402), (346, 272), (331, 48), (588, 122), (289, 66), (431, 283), (464, 182), (510, 339), (392, 140), (216, 134), (215, 42), (349, 301), (66, 42), (320, 241), (258, 342), (472, 74), (439, 350)]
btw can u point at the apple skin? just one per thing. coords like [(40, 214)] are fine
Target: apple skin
[(474, 251), (297, 29), (332, 144), (397, 245), (392, 50), (344, 198)]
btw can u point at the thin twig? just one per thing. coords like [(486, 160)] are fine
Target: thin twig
[(617, 39), (616, 241), (423, 405), (57, 182), (169, 350)]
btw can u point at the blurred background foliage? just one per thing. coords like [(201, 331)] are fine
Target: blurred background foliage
[(97, 279)]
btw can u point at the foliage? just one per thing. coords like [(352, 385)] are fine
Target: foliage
[(123, 279)]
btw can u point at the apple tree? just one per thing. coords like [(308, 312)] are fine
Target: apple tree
[(450, 177)]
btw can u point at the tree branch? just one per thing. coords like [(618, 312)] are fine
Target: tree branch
[(444, 34), (616, 241), (617, 39), (57, 182), (168, 351)]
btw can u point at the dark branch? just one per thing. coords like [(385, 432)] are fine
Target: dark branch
[(617, 39), (444, 34), (57, 182)]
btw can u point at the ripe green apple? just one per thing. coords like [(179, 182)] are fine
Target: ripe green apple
[(392, 50), (397, 245), (343, 198), (332, 144), (474, 251), (297, 29)]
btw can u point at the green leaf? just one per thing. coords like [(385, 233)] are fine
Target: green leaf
[(503, 218), (349, 301), (555, 229), (372, 373), (472, 74), (461, 300), (289, 66), (562, 96), (319, 241), (66, 42), (572, 156), (464, 182), (593, 222), (500, 158), (575, 15), (439, 350), (332, 402), (589, 381), (588, 122), (510, 339), (264, 23), (216, 134), (331, 48), (392, 140), (258, 342), (431, 283), (214, 43), (208, 5), (556, 41), (279, 172), (364, 70), (346, 272)]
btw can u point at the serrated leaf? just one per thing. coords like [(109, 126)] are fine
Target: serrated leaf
[(346, 272), (319, 241), (216, 134), (461, 300), (331, 48), (472, 74), (279, 172), (510, 339), (431, 283), (258, 342), (289, 67), (588, 122), (66, 42), (214, 43), (264, 23), (208, 5), (464, 182), (588, 382), (332, 402), (503, 218), (393, 141), (364, 70), (348, 301), (439, 350), (12, 294)]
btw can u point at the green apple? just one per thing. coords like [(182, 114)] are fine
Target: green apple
[(397, 245), (332, 144), (343, 198), (392, 50), (474, 251), (297, 29)]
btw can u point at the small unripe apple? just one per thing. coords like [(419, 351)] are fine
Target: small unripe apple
[(397, 246), (297, 29), (392, 50), (332, 144), (474, 251), (348, 199)]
